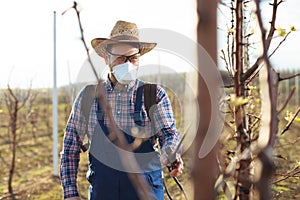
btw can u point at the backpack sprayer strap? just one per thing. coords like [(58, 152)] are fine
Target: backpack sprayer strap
[(86, 105)]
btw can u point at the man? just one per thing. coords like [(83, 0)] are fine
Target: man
[(107, 174)]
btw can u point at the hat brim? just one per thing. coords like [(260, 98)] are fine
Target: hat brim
[(100, 44)]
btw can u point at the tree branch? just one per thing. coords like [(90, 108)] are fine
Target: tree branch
[(229, 69), (290, 122), (289, 175), (289, 143), (287, 101), (83, 39), (267, 135), (258, 62), (252, 69), (281, 42), (289, 77), (272, 23), (11, 93), (25, 99)]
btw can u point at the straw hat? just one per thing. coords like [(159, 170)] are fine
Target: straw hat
[(123, 32)]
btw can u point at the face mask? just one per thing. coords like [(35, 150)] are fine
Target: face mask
[(126, 72)]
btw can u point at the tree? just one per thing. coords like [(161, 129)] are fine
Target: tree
[(252, 119), (14, 100), (205, 170)]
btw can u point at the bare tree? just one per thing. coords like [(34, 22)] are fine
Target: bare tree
[(14, 102), (31, 113)]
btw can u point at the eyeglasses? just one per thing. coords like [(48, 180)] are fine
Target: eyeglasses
[(122, 59)]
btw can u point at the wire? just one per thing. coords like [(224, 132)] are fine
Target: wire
[(166, 189), (178, 184)]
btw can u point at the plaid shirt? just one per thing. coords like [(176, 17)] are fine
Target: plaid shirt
[(121, 101)]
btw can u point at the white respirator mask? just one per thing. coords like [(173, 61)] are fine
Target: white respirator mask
[(125, 72)]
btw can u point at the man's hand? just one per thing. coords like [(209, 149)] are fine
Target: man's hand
[(176, 167)]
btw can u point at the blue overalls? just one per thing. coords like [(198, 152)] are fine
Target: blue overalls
[(107, 176)]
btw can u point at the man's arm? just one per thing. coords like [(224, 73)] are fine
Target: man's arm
[(70, 154), (167, 132)]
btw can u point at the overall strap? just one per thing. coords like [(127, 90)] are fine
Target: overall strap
[(149, 101), (149, 91), (100, 118), (86, 104), (138, 118), (150, 98)]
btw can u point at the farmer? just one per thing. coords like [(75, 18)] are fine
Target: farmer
[(107, 175)]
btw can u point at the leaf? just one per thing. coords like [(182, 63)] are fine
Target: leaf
[(289, 116), (281, 31), (293, 28), (230, 31), (238, 101), (252, 87), (281, 188)]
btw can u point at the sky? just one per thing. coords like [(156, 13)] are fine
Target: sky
[(26, 35)]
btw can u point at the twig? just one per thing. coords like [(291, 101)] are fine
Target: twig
[(83, 39), (226, 64), (253, 74), (231, 59), (251, 70), (272, 23), (295, 171), (290, 122), (11, 93), (220, 2), (25, 99), (290, 143), (289, 77), (257, 119), (281, 42), (287, 101)]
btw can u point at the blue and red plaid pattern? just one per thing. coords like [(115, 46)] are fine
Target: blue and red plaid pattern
[(122, 105)]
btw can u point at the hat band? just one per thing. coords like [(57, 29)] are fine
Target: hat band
[(125, 37)]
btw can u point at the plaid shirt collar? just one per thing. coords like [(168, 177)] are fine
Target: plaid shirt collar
[(127, 87)]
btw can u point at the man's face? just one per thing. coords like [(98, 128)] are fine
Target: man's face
[(121, 53)]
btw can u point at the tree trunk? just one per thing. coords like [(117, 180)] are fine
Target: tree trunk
[(244, 183), (14, 118), (269, 119), (205, 169)]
